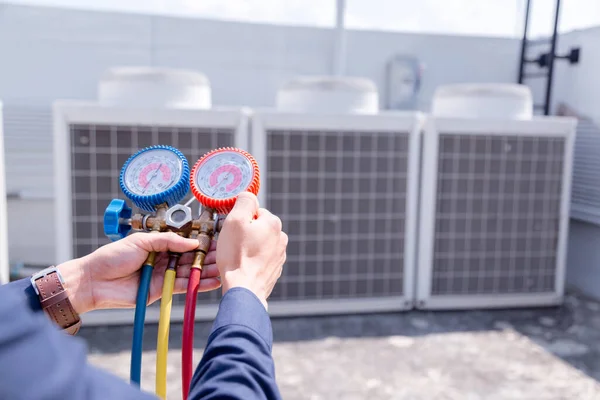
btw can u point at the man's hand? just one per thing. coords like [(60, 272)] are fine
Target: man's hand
[(109, 277), (251, 252)]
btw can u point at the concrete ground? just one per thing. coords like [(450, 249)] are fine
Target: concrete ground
[(533, 354)]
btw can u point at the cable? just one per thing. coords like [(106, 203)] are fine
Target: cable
[(187, 348), (139, 319), (162, 346)]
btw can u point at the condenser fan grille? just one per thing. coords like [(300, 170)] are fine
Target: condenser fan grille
[(342, 197), (497, 214)]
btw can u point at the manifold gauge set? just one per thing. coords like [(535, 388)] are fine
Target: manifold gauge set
[(156, 179)]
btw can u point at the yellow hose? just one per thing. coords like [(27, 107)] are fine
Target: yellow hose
[(164, 321)]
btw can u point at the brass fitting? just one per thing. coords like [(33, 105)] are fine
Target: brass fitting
[(150, 222), (159, 221), (203, 231), (202, 228)]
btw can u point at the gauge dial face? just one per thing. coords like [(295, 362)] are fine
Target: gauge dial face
[(224, 175), (153, 172)]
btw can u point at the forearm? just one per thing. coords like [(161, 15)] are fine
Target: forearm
[(237, 362), (45, 363), (23, 293)]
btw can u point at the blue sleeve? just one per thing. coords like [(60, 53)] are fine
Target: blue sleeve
[(237, 361), (41, 362)]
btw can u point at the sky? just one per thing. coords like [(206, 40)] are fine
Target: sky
[(465, 17)]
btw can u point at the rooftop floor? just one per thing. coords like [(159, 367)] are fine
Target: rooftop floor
[(542, 354)]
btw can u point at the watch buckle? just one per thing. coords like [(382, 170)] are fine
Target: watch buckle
[(43, 273)]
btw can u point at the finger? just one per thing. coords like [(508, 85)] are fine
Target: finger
[(213, 246), (284, 239), (210, 271), (211, 258), (205, 285), (181, 285), (246, 207), (262, 212), (161, 257), (273, 220), (183, 270), (187, 258), (164, 241)]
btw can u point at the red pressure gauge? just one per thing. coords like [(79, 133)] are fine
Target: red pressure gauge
[(220, 175)]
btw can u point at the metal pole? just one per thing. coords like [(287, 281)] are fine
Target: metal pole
[(524, 42), (551, 58), (340, 39)]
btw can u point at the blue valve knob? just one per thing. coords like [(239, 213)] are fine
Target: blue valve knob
[(116, 212)]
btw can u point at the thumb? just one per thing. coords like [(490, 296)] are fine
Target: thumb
[(246, 207), (163, 241)]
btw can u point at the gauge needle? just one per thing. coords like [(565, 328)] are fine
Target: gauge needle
[(220, 182), (152, 177)]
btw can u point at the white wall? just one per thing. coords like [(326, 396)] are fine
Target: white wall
[(579, 85), (51, 53)]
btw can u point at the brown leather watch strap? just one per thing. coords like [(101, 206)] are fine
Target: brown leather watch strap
[(55, 300)]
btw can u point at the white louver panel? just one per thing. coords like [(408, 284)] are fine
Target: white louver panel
[(586, 173), (28, 148), (494, 212), (345, 187)]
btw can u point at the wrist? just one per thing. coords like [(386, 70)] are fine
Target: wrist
[(231, 284), (78, 284)]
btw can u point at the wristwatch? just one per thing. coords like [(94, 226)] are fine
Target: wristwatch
[(54, 299)]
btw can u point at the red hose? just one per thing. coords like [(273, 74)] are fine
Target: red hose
[(187, 350)]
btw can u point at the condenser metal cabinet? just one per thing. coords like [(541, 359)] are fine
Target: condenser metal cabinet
[(494, 212), (4, 265), (583, 258), (345, 187), (585, 205), (93, 141)]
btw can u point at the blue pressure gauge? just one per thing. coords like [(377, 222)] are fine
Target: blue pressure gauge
[(155, 175)]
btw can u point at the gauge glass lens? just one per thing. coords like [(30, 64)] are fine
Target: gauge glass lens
[(153, 172), (224, 175)]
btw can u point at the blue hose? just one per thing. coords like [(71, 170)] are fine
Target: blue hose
[(138, 324)]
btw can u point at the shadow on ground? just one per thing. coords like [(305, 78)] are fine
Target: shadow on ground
[(570, 332)]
